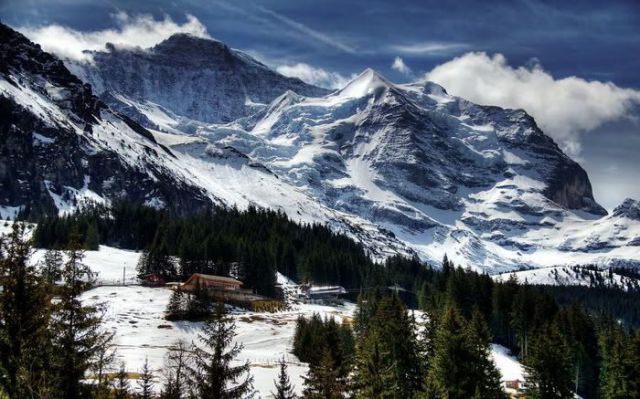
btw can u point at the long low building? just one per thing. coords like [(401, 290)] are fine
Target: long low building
[(312, 293), (211, 281)]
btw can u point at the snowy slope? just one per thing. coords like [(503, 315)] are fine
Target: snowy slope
[(483, 184), (135, 315), (610, 277)]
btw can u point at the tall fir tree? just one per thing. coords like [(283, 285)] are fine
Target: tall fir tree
[(323, 380), (615, 381), (284, 388), (548, 367), (484, 371), (460, 367), (146, 381), (176, 371), (51, 268), (121, 384), (79, 338), (389, 360), (212, 375), (25, 350)]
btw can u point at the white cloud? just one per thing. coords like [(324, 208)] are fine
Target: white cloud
[(426, 48), (314, 76), (141, 30), (400, 66), (563, 108)]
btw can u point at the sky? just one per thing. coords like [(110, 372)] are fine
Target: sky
[(573, 65)]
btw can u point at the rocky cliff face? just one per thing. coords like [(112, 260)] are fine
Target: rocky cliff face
[(197, 78), (60, 145)]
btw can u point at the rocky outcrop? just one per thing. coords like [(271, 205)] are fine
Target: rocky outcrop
[(629, 208), (197, 78), (569, 186), (50, 155)]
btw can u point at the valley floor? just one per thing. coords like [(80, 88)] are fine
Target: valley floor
[(135, 314)]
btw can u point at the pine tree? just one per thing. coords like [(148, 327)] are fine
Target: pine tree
[(176, 306), (549, 372), (481, 366), (92, 239), (212, 375), (632, 362), (52, 266), (121, 385), (199, 303), (614, 378), (388, 361), (25, 350), (372, 378), (79, 339), (448, 373), (176, 367), (324, 381), (284, 389), (146, 381)]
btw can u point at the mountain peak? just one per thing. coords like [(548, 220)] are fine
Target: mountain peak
[(184, 44), (629, 208), (367, 83)]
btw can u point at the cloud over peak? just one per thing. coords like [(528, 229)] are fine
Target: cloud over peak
[(313, 75), (564, 108), (400, 66), (130, 31)]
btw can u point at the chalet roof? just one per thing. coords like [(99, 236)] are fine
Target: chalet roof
[(211, 277)]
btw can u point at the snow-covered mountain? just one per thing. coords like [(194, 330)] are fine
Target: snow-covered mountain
[(61, 146), (194, 78), (402, 168)]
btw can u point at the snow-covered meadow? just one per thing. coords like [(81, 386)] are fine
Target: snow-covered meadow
[(135, 314)]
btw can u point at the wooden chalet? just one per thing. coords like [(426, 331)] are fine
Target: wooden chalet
[(211, 282)]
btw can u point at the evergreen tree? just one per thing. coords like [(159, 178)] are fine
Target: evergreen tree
[(176, 367), (615, 382), (121, 383), (284, 389), (389, 362), (372, 378), (79, 339), (25, 351), (460, 367), (199, 303), (146, 381), (633, 364), (212, 375), (481, 366), (92, 239), (324, 381), (176, 307), (579, 334), (548, 368), (52, 266)]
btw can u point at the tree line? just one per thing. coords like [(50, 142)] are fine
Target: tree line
[(259, 242), (443, 351)]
